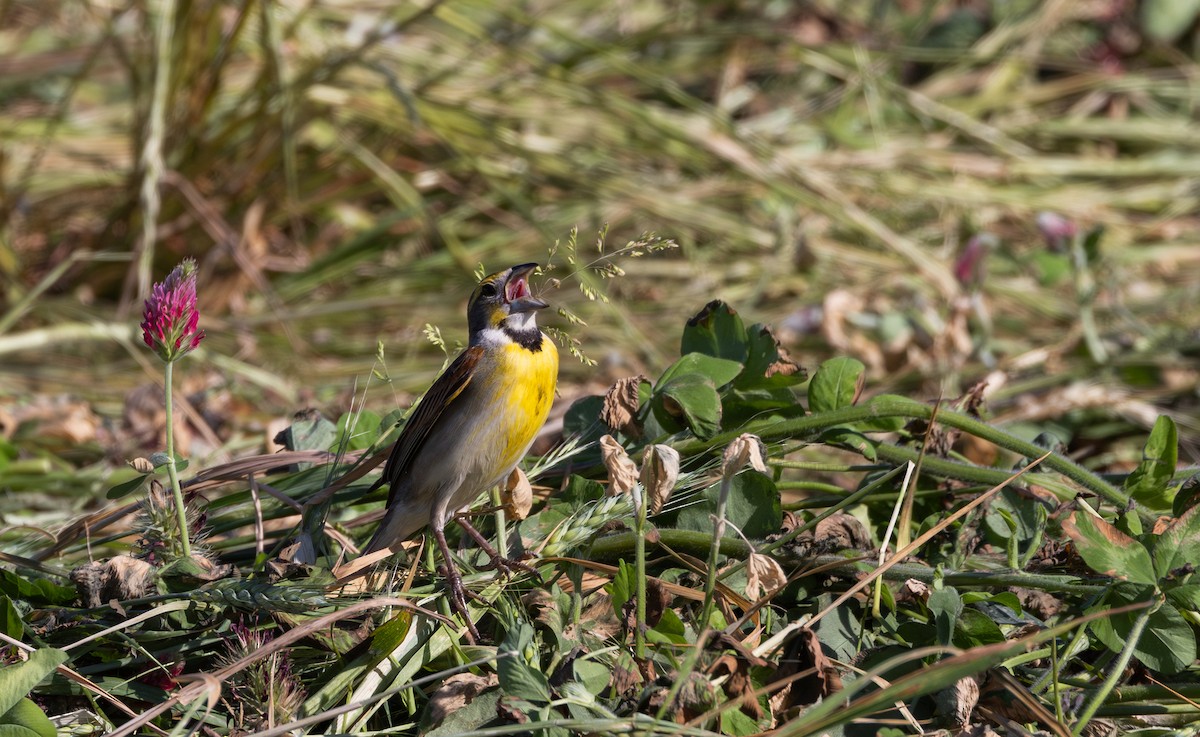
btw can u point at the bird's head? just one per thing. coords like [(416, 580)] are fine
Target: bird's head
[(503, 300)]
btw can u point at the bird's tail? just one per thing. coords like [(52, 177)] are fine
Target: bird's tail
[(399, 523)]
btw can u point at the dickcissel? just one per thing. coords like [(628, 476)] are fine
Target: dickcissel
[(475, 423)]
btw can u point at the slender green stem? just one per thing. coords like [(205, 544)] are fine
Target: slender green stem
[(615, 547), (1085, 290), (1116, 671), (890, 406), (639, 549), (829, 467), (1058, 705), (809, 486), (716, 545), (172, 472), (501, 524), (714, 548), (1052, 677), (828, 500)]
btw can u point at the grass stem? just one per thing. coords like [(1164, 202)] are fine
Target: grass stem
[(1117, 671)]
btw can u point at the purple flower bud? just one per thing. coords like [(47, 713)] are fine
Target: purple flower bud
[(969, 268), (1056, 230), (170, 320)]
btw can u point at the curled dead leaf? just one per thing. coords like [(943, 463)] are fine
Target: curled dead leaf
[(738, 683), (783, 365), (621, 404), (129, 577), (804, 654), (121, 578), (912, 591), (541, 604), (516, 496), (841, 531), (658, 599), (455, 693), (142, 465), (660, 471), (955, 704), (764, 576), (746, 449), (622, 471)]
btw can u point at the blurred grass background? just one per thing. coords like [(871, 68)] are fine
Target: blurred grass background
[(340, 168)]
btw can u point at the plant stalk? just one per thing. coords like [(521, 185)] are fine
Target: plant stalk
[(614, 547), (1115, 673), (639, 548), (172, 472), (501, 523), (714, 548), (889, 406)]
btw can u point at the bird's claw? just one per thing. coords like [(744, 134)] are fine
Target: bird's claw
[(507, 567)]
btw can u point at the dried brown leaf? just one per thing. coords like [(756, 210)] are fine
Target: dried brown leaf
[(912, 590), (622, 471), (956, 704), (746, 449), (660, 471), (142, 465), (621, 403), (805, 654), (739, 684), (456, 692), (841, 531), (784, 365), (516, 496), (764, 576)]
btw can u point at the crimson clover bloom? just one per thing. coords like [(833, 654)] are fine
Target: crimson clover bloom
[(969, 268), (170, 319)]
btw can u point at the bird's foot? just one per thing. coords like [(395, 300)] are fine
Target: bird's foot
[(458, 600), (505, 566), (455, 589), (509, 566)]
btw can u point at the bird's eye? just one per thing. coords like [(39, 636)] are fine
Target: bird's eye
[(488, 290)]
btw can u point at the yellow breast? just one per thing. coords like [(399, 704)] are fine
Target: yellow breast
[(527, 380)]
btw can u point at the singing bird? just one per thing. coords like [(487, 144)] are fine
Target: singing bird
[(475, 423)]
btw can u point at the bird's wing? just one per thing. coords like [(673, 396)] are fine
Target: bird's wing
[(448, 387)]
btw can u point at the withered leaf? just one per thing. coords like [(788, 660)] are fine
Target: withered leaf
[(622, 471), (456, 692), (746, 449), (660, 471), (516, 496), (764, 576), (621, 403)]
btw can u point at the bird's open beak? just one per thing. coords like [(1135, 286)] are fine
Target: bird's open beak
[(516, 290)]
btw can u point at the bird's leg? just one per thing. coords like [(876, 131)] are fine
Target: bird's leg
[(454, 584), (499, 562)]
